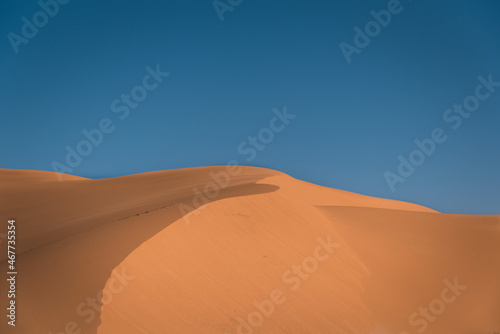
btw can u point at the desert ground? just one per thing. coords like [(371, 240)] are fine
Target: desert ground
[(220, 250)]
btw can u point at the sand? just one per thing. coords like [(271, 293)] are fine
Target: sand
[(267, 254)]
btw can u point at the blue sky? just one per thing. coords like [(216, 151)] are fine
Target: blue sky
[(353, 120)]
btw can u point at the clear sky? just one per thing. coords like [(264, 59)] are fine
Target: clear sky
[(352, 119)]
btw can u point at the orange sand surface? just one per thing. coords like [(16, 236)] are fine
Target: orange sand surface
[(266, 253)]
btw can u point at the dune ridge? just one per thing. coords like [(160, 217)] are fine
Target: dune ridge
[(215, 269)]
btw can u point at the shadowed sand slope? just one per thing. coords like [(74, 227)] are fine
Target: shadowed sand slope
[(194, 251)]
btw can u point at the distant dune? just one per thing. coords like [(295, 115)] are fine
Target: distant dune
[(267, 254)]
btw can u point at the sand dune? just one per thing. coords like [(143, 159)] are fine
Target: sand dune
[(267, 254)]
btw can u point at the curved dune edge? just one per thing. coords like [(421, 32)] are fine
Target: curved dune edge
[(202, 273), (393, 259), (202, 276)]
